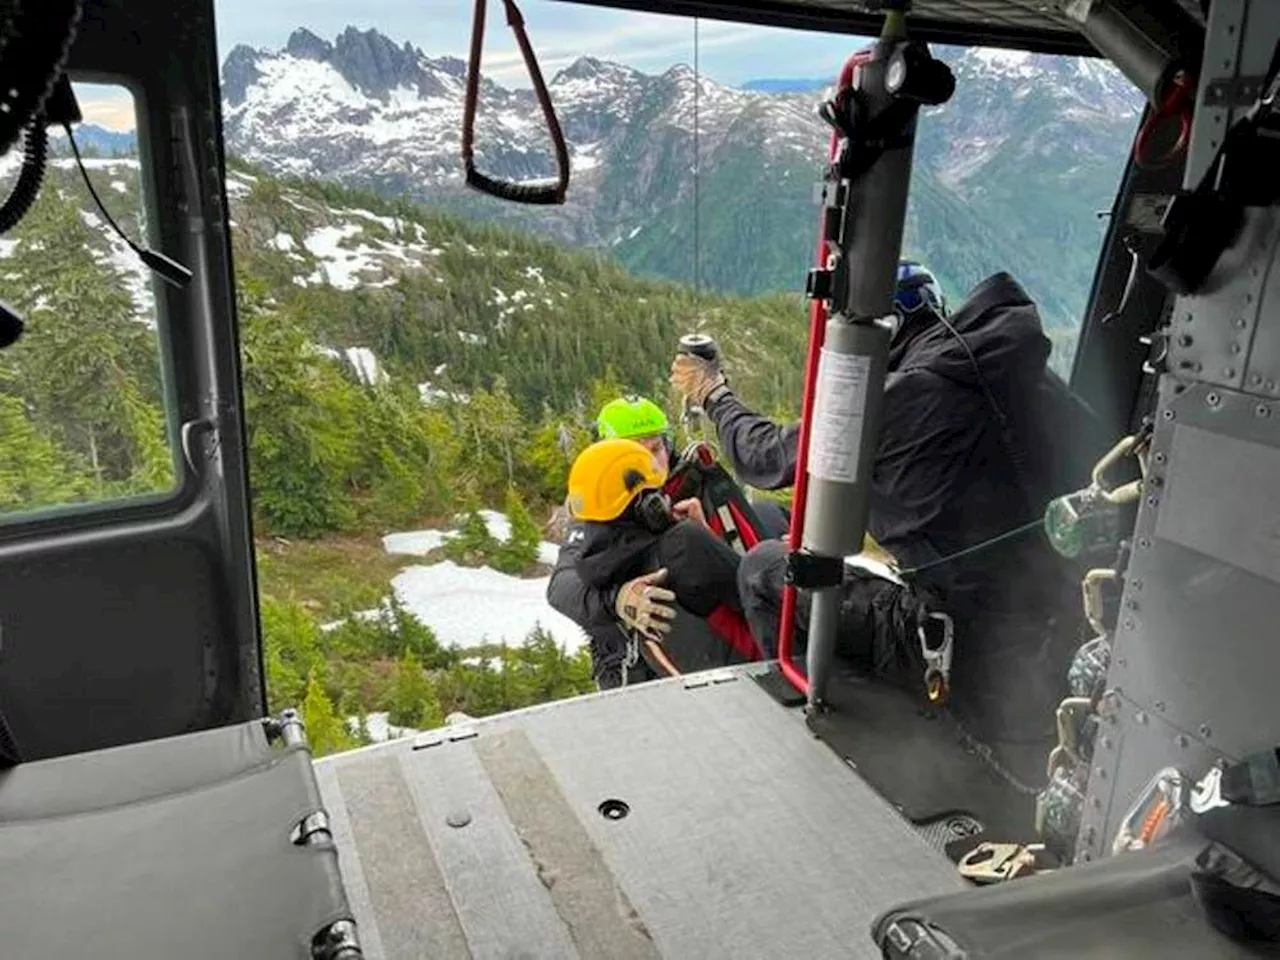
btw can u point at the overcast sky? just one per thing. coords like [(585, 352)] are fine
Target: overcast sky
[(560, 33)]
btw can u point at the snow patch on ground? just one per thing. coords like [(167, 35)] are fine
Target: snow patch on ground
[(380, 727), (467, 606), (366, 365), (419, 543), (429, 395)]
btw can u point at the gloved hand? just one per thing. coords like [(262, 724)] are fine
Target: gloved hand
[(645, 607), (695, 377), (690, 509)]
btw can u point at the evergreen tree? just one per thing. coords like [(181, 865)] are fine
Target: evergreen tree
[(326, 731), (35, 471), (409, 691), (520, 551)]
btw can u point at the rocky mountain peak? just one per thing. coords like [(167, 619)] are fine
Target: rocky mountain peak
[(239, 73), (307, 46)]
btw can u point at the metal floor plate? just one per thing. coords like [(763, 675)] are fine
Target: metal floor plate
[(743, 835)]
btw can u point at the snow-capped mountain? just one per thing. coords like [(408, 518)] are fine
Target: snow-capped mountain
[(1027, 150)]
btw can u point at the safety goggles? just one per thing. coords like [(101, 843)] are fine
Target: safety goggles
[(919, 293)]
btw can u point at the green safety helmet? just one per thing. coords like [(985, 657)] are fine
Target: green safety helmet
[(631, 417)]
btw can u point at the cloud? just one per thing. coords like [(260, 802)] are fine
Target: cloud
[(647, 42)]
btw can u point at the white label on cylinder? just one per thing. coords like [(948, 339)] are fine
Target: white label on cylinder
[(839, 403)]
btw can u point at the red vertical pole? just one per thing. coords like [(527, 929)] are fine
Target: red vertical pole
[(817, 334)]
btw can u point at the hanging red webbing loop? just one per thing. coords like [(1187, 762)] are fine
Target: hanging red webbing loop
[(546, 193)]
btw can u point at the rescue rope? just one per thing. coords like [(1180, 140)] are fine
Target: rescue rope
[(977, 547)]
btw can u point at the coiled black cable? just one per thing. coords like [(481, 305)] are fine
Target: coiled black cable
[(35, 154)]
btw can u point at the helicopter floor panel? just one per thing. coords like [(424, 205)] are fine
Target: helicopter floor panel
[(693, 817), (919, 761)]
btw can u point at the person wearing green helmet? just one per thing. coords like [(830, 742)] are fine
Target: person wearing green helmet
[(640, 419), (641, 603)]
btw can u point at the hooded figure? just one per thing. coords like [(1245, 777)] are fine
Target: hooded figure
[(977, 436)]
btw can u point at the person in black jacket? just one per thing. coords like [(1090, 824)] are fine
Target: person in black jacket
[(978, 434), (673, 581)]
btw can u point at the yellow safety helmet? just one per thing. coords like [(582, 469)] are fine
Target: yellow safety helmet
[(607, 476)]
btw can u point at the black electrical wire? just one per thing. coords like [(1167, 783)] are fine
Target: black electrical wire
[(170, 270), (35, 154)]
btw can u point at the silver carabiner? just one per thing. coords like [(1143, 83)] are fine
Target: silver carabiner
[(937, 660)]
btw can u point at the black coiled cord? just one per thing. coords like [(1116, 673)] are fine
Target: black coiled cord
[(35, 154)]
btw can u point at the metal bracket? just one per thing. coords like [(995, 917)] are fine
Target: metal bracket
[(819, 284), (1233, 91), (997, 862), (441, 737)]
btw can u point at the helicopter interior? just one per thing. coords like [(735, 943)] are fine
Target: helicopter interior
[(146, 782)]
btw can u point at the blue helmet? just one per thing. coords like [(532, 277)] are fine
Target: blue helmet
[(917, 290)]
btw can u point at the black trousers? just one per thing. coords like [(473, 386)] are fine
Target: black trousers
[(1008, 669), (877, 616)]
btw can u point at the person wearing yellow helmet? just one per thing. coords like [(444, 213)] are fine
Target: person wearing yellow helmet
[(659, 582), (647, 604)]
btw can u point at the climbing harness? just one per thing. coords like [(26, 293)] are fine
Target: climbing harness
[(533, 193)]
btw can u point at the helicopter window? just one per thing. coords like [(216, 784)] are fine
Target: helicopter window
[(83, 412)]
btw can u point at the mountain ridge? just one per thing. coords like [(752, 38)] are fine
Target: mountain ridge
[(1006, 177)]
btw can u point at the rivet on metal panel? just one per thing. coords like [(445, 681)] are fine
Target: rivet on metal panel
[(1089, 835), (1229, 373), (1212, 398), (1235, 348), (1137, 584), (1159, 705), (1262, 410), (1181, 741), (1100, 772), (1122, 662), (1151, 501), (1205, 731), (1086, 856), (1256, 379), (1140, 718), (1271, 384), (1107, 743), (457, 818), (1241, 324), (1131, 604), (1095, 803), (1167, 414), (1128, 623), (1143, 543), (1185, 340)]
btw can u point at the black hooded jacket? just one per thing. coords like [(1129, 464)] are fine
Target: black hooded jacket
[(947, 474)]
